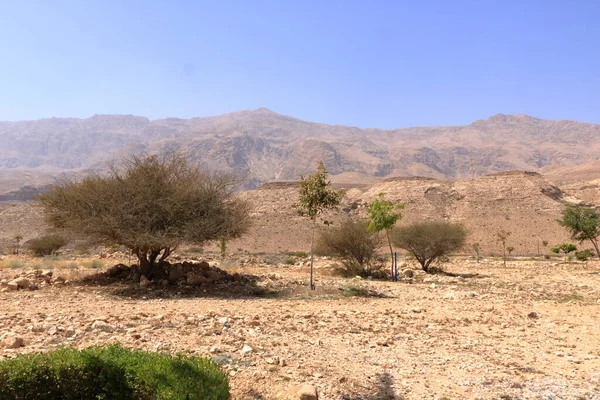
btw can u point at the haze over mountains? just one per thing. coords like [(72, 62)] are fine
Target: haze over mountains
[(262, 146)]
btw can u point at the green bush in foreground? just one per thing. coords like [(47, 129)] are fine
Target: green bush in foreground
[(109, 373)]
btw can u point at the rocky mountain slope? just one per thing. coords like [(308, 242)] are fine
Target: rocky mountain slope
[(523, 203), (262, 146)]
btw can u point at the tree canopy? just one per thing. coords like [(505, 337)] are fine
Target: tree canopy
[(150, 204), (583, 223), (383, 215), (428, 241)]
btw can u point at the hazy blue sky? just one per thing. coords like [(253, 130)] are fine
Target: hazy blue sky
[(365, 63)]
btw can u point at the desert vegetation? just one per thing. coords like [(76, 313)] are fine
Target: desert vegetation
[(195, 294)]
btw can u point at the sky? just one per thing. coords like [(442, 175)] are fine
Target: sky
[(369, 63)]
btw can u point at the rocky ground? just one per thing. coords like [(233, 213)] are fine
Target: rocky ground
[(527, 331)]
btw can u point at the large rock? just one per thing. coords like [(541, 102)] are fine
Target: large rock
[(195, 279), (102, 326), (307, 392), (11, 341), (21, 283)]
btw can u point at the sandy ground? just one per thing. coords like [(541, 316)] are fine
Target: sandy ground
[(528, 331)]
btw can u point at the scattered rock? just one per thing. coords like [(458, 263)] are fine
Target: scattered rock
[(11, 341), (21, 282), (409, 273), (247, 349), (144, 282), (102, 326), (533, 315), (307, 392)]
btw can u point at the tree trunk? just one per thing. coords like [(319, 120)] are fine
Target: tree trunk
[(595, 243), (387, 233), (312, 253)]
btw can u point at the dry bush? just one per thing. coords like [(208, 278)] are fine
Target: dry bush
[(353, 243), (429, 241), (46, 245)]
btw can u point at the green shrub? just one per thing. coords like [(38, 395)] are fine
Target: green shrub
[(299, 254), (584, 255), (290, 261), (46, 245), (109, 373)]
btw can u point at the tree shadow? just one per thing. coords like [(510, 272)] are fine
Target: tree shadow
[(383, 390), (245, 288)]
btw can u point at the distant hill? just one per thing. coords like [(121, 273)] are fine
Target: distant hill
[(262, 146)]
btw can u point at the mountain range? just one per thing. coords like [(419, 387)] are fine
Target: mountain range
[(261, 146)]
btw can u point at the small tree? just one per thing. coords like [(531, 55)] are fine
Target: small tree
[(46, 245), (383, 215), (315, 196), (17, 239), (565, 248), (583, 223), (502, 237), (510, 249), (353, 243), (428, 241), (150, 204), (477, 249)]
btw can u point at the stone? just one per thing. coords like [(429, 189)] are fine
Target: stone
[(307, 392), (11, 341), (533, 315), (102, 326), (204, 265), (214, 349), (21, 282), (195, 279), (12, 286), (144, 282), (409, 273), (247, 349)]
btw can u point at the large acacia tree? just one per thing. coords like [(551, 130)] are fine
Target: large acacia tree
[(150, 204)]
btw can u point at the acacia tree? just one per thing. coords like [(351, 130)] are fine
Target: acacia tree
[(150, 204), (383, 215), (315, 196), (430, 240), (583, 223)]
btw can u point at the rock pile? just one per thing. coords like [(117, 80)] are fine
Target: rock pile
[(184, 273), (30, 281)]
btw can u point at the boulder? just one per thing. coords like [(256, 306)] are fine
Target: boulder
[(144, 281), (11, 341), (195, 279), (307, 392), (21, 282)]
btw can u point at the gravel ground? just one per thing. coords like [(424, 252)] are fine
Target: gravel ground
[(529, 331)]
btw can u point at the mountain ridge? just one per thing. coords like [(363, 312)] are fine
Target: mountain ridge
[(263, 145)]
